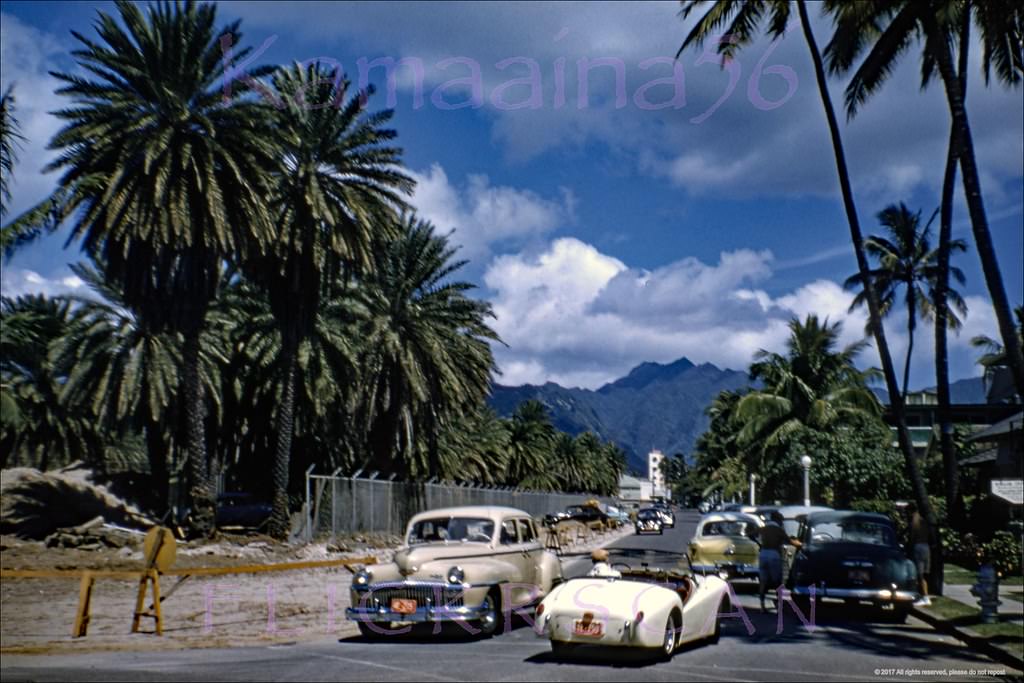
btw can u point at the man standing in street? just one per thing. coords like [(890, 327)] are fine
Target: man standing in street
[(919, 534), (769, 560)]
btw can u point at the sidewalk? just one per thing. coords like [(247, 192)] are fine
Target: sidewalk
[(957, 613)]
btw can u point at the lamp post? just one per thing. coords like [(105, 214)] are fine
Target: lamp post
[(752, 498), (806, 462)]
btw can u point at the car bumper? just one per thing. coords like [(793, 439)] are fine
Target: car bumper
[(421, 615), (870, 594), (733, 569), (435, 602)]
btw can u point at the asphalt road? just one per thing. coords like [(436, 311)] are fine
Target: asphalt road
[(844, 645)]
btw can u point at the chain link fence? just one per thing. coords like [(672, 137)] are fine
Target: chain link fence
[(342, 505)]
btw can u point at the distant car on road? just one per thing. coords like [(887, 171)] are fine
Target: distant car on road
[(617, 515), (667, 516), (725, 542), (649, 521), (584, 514), (853, 556)]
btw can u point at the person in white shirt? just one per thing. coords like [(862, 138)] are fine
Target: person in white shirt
[(601, 567)]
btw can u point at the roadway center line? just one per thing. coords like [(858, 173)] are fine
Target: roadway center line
[(415, 673)]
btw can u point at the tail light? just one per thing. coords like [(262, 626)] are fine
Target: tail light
[(540, 610), (639, 617)]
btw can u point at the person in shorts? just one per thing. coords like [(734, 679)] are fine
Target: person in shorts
[(769, 560), (919, 542)]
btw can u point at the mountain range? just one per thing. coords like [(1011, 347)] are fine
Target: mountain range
[(655, 406)]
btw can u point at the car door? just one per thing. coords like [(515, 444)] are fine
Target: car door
[(532, 550), (513, 555)]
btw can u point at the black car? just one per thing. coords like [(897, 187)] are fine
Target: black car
[(239, 509), (853, 556), (668, 517), (649, 521), (584, 514)]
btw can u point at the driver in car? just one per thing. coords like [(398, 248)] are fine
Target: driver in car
[(601, 567)]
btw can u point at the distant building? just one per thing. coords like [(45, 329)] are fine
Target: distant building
[(922, 415), (635, 489), (657, 478)]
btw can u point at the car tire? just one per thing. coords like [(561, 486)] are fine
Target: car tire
[(723, 606), (661, 531), (670, 640), (561, 649), (367, 632), (488, 625), (898, 614)]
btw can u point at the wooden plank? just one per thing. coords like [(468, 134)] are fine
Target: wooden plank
[(195, 571), (84, 606)]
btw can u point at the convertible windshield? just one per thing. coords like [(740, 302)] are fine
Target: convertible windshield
[(452, 529), (853, 531)]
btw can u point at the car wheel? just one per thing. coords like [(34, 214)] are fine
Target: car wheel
[(671, 637), (723, 606), (898, 614), (491, 615)]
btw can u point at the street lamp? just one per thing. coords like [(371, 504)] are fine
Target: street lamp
[(752, 478), (806, 462)]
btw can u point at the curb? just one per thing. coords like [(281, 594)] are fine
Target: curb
[(971, 638)]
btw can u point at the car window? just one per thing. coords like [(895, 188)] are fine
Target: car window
[(449, 529), (508, 532), (526, 531), (724, 529), (853, 531)]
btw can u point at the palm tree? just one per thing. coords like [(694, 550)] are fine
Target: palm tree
[(531, 443), (427, 359), (165, 178), (10, 139), (813, 385), (340, 184), (995, 356), (887, 30), (746, 17), (475, 448), (905, 259)]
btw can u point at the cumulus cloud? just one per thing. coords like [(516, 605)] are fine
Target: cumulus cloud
[(575, 316), (482, 215), (15, 282)]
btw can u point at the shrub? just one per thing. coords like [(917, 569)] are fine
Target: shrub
[(1003, 551), (960, 548)]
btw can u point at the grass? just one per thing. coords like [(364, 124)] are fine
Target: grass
[(955, 574), (1004, 634), (1016, 595)]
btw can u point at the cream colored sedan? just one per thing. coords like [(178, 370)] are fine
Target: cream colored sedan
[(469, 565), (725, 543)]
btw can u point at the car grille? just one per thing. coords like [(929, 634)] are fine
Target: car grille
[(423, 594)]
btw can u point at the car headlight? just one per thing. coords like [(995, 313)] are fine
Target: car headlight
[(456, 575), (362, 577)]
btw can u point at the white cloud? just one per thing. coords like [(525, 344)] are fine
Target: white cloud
[(483, 215), (15, 282), (575, 316)]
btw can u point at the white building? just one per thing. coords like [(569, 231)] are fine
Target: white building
[(657, 478), (633, 489)]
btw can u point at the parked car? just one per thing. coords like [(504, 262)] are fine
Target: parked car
[(239, 509), (462, 564), (792, 517), (649, 521), (617, 515), (726, 542), (853, 556), (640, 606), (704, 507), (586, 514)]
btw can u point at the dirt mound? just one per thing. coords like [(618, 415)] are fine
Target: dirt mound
[(35, 504)]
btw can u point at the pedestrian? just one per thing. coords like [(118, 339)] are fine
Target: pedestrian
[(920, 535), (769, 561)]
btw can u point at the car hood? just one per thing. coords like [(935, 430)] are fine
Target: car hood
[(410, 560), (619, 598)]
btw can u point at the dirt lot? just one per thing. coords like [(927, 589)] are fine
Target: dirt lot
[(209, 611), (38, 614)]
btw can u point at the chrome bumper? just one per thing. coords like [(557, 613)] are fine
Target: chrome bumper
[(422, 614), (872, 594), (435, 602), (731, 568)]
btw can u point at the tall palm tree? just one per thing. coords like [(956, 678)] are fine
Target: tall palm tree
[(995, 357), (905, 259), (165, 177), (340, 184), (886, 31), (427, 358), (10, 139), (814, 385), (745, 18), (531, 443), (474, 448)]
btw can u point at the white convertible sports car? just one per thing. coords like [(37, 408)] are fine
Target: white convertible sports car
[(633, 603)]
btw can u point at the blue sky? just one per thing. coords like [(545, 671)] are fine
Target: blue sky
[(653, 219)]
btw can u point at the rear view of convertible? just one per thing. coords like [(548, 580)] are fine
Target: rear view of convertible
[(636, 605)]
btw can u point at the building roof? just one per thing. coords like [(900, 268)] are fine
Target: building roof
[(1000, 430)]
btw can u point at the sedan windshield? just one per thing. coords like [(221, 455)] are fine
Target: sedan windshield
[(725, 528), (452, 529), (853, 531)]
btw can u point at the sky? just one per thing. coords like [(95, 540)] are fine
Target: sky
[(616, 206)]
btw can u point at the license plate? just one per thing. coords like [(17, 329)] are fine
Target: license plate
[(860, 575), (402, 606), (591, 629)]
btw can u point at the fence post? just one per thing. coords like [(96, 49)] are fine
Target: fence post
[(334, 499), (309, 506)]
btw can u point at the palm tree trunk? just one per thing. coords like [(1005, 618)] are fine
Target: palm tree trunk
[(975, 203), (280, 520), (911, 319), (874, 309), (156, 451), (201, 487)]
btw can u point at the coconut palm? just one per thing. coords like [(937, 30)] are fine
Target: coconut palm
[(165, 177), (427, 358), (995, 357), (10, 139), (335, 196), (906, 260), (814, 385), (743, 20), (886, 31)]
